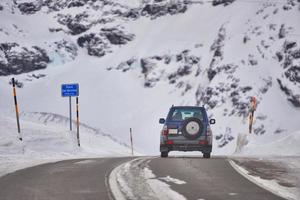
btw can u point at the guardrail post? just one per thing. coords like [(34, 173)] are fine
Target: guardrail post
[(131, 142), (16, 107)]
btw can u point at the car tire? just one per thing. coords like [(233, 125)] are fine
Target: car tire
[(206, 155), (192, 128), (164, 154)]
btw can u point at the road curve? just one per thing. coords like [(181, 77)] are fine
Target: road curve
[(84, 179), (205, 179), (209, 179)]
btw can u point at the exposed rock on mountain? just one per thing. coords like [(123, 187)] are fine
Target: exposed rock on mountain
[(116, 36), (178, 67), (161, 9), (66, 49), (224, 2), (99, 44), (15, 59), (93, 43), (29, 7)]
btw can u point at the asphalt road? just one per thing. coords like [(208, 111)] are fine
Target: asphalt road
[(206, 179)]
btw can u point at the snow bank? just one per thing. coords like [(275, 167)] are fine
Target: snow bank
[(285, 146), (270, 185), (134, 180), (50, 142)]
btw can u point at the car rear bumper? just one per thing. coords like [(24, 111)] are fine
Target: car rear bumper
[(186, 147)]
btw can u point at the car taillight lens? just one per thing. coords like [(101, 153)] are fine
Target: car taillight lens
[(165, 130), (202, 142), (169, 142)]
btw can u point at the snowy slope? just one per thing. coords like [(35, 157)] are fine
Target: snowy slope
[(198, 54), (46, 139)]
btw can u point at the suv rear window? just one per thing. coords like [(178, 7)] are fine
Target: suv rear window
[(180, 114)]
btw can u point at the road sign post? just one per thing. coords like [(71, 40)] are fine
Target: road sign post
[(70, 112), (131, 142), (70, 90), (16, 107), (77, 121)]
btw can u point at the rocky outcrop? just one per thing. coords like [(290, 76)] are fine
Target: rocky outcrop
[(99, 44), (15, 59), (93, 43), (160, 9), (180, 65), (29, 7), (224, 139), (116, 36), (66, 50), (75, 24), (291, 97), (222, 2), (217, 49), (289, 58)]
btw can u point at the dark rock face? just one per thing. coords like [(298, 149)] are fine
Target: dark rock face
[(117, 37), (290, 81), (293, 74), (224, 139), (75, 24), (66, 49), (29, 8), (99, 44), (293, 98), (77, 28), (224, 2), (93, 43), (282, 32), (185, 65), (15, 59), (217, 48), (1, 7), (76, 3), (161, 9)]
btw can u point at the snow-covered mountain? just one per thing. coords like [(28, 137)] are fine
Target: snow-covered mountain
[(134, 59)]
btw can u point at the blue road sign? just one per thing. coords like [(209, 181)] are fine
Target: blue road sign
[(70, 90)]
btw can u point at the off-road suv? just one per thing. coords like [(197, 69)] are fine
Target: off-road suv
[(186, 128)]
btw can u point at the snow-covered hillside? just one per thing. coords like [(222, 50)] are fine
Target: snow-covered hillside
[(46, 138), (134, 59)]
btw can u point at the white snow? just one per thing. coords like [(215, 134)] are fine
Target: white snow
[(284, 146), (172, 180), (135, 180), (270, 185), (49, 142)]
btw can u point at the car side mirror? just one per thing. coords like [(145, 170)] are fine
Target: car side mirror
[(162, 120), (212, 121)]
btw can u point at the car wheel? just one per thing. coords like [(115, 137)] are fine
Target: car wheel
[(206, 155), (192, 128), (164, 154)]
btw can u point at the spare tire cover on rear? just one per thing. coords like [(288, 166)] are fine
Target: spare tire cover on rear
[(192, 128)]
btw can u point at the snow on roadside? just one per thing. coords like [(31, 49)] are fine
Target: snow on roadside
[(265, 145), (273, 185), (134, 180), (44, 143)]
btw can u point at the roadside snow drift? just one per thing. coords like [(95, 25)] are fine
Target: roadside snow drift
[(49, 140), (135, 180)]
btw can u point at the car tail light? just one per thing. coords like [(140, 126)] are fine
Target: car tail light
[(202, 142), (164, 130), (169, 142)]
